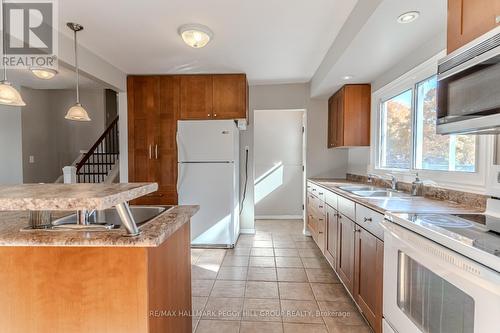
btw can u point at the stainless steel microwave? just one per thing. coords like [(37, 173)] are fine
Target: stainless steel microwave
[(469, 88)]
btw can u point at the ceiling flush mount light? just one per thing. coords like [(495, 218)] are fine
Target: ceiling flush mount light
[(77, 112), (8, 94), (43, 73), (408, 17), (347, 77), (195, 35)]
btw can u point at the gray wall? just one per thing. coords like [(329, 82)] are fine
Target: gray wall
[(11, 167), (320, 162), (278, 146), (54, 141)]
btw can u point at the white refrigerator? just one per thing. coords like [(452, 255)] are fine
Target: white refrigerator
[(208, 155)]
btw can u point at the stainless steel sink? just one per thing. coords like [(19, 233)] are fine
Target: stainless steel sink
[(380, 194), (110, 217), (353, 188)]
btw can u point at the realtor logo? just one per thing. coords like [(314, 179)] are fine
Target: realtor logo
[(30, 33)]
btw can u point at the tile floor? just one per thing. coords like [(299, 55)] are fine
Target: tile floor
[(276, 281)]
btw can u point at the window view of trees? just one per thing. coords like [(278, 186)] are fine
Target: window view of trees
[(396, 138), (434, 151), (431, 151)]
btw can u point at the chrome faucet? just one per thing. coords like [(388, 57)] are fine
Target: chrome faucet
[(393, 181)]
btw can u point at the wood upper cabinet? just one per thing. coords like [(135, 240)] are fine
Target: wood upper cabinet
[(153, 110), (469, 19), (346, 251), (230, 96), (368, 280), (349, 116), (196, 93), (217, 96)]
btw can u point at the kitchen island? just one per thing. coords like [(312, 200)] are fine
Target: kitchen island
[(96, 281)]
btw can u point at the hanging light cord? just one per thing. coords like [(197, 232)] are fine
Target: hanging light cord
[(77, 71)]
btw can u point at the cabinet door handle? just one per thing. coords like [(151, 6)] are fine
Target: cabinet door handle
[(497, 19), (368, 219), (150, 152), (356, 230), (208, 115), (156, 151), (215, 114), (320, 206), (320, 193), (339, 216)]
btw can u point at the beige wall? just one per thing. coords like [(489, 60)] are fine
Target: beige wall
[(320, 161), (54, 141)]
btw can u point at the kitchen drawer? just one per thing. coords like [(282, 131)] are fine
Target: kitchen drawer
[(347, 207), (316, 206), (316, 190), (370, 220), (331, 199)]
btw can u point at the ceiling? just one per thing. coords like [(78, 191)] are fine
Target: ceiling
[(273, 41), (65, 79), (377, 42)]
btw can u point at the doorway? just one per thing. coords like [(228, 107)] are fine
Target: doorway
[(279, 164)]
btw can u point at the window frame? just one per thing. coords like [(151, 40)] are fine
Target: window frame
[(472, 181)]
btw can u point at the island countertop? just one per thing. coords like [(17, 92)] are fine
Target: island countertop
[(70, 196), (153, 233)]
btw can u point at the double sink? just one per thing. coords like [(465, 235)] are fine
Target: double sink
[(373, 192)]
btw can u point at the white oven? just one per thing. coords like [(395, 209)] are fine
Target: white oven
[(430, 288)]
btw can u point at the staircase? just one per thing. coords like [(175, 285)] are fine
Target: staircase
[(100, 164)]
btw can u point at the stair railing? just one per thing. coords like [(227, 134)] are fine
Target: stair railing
[(100, 159)]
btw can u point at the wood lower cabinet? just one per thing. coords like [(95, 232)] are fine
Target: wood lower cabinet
[(349, 116), (346, 251), (153, 111), (352, 244), (469, 19), (368, 284), (213, 96), (60, 289), (332, 234)]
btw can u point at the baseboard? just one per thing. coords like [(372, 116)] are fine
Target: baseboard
[(247, 231), (279, 217)]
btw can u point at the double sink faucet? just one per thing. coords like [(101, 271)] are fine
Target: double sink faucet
[(417, 186)]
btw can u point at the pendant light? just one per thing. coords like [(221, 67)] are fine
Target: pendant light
[(77, 112), (8, 94)]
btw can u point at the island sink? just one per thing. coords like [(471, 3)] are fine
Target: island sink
[(109, 218)]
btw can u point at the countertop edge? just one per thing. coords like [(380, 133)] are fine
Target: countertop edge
[(153, 233), (447, 206)]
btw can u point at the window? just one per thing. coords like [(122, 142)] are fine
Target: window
[(408, 139), (434, 151), (396, 138)]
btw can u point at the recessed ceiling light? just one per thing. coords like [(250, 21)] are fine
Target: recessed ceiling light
[(43, 73), (408, 17), (195, 35), (347, 77)]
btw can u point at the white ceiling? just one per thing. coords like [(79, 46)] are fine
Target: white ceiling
[(380, 43), (65, 79), (273, 41)]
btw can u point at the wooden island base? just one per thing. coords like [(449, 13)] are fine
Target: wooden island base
[(97, 289)]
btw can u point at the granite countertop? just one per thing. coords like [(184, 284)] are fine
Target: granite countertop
[(394, 205), (70, 196), (153, 233)]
